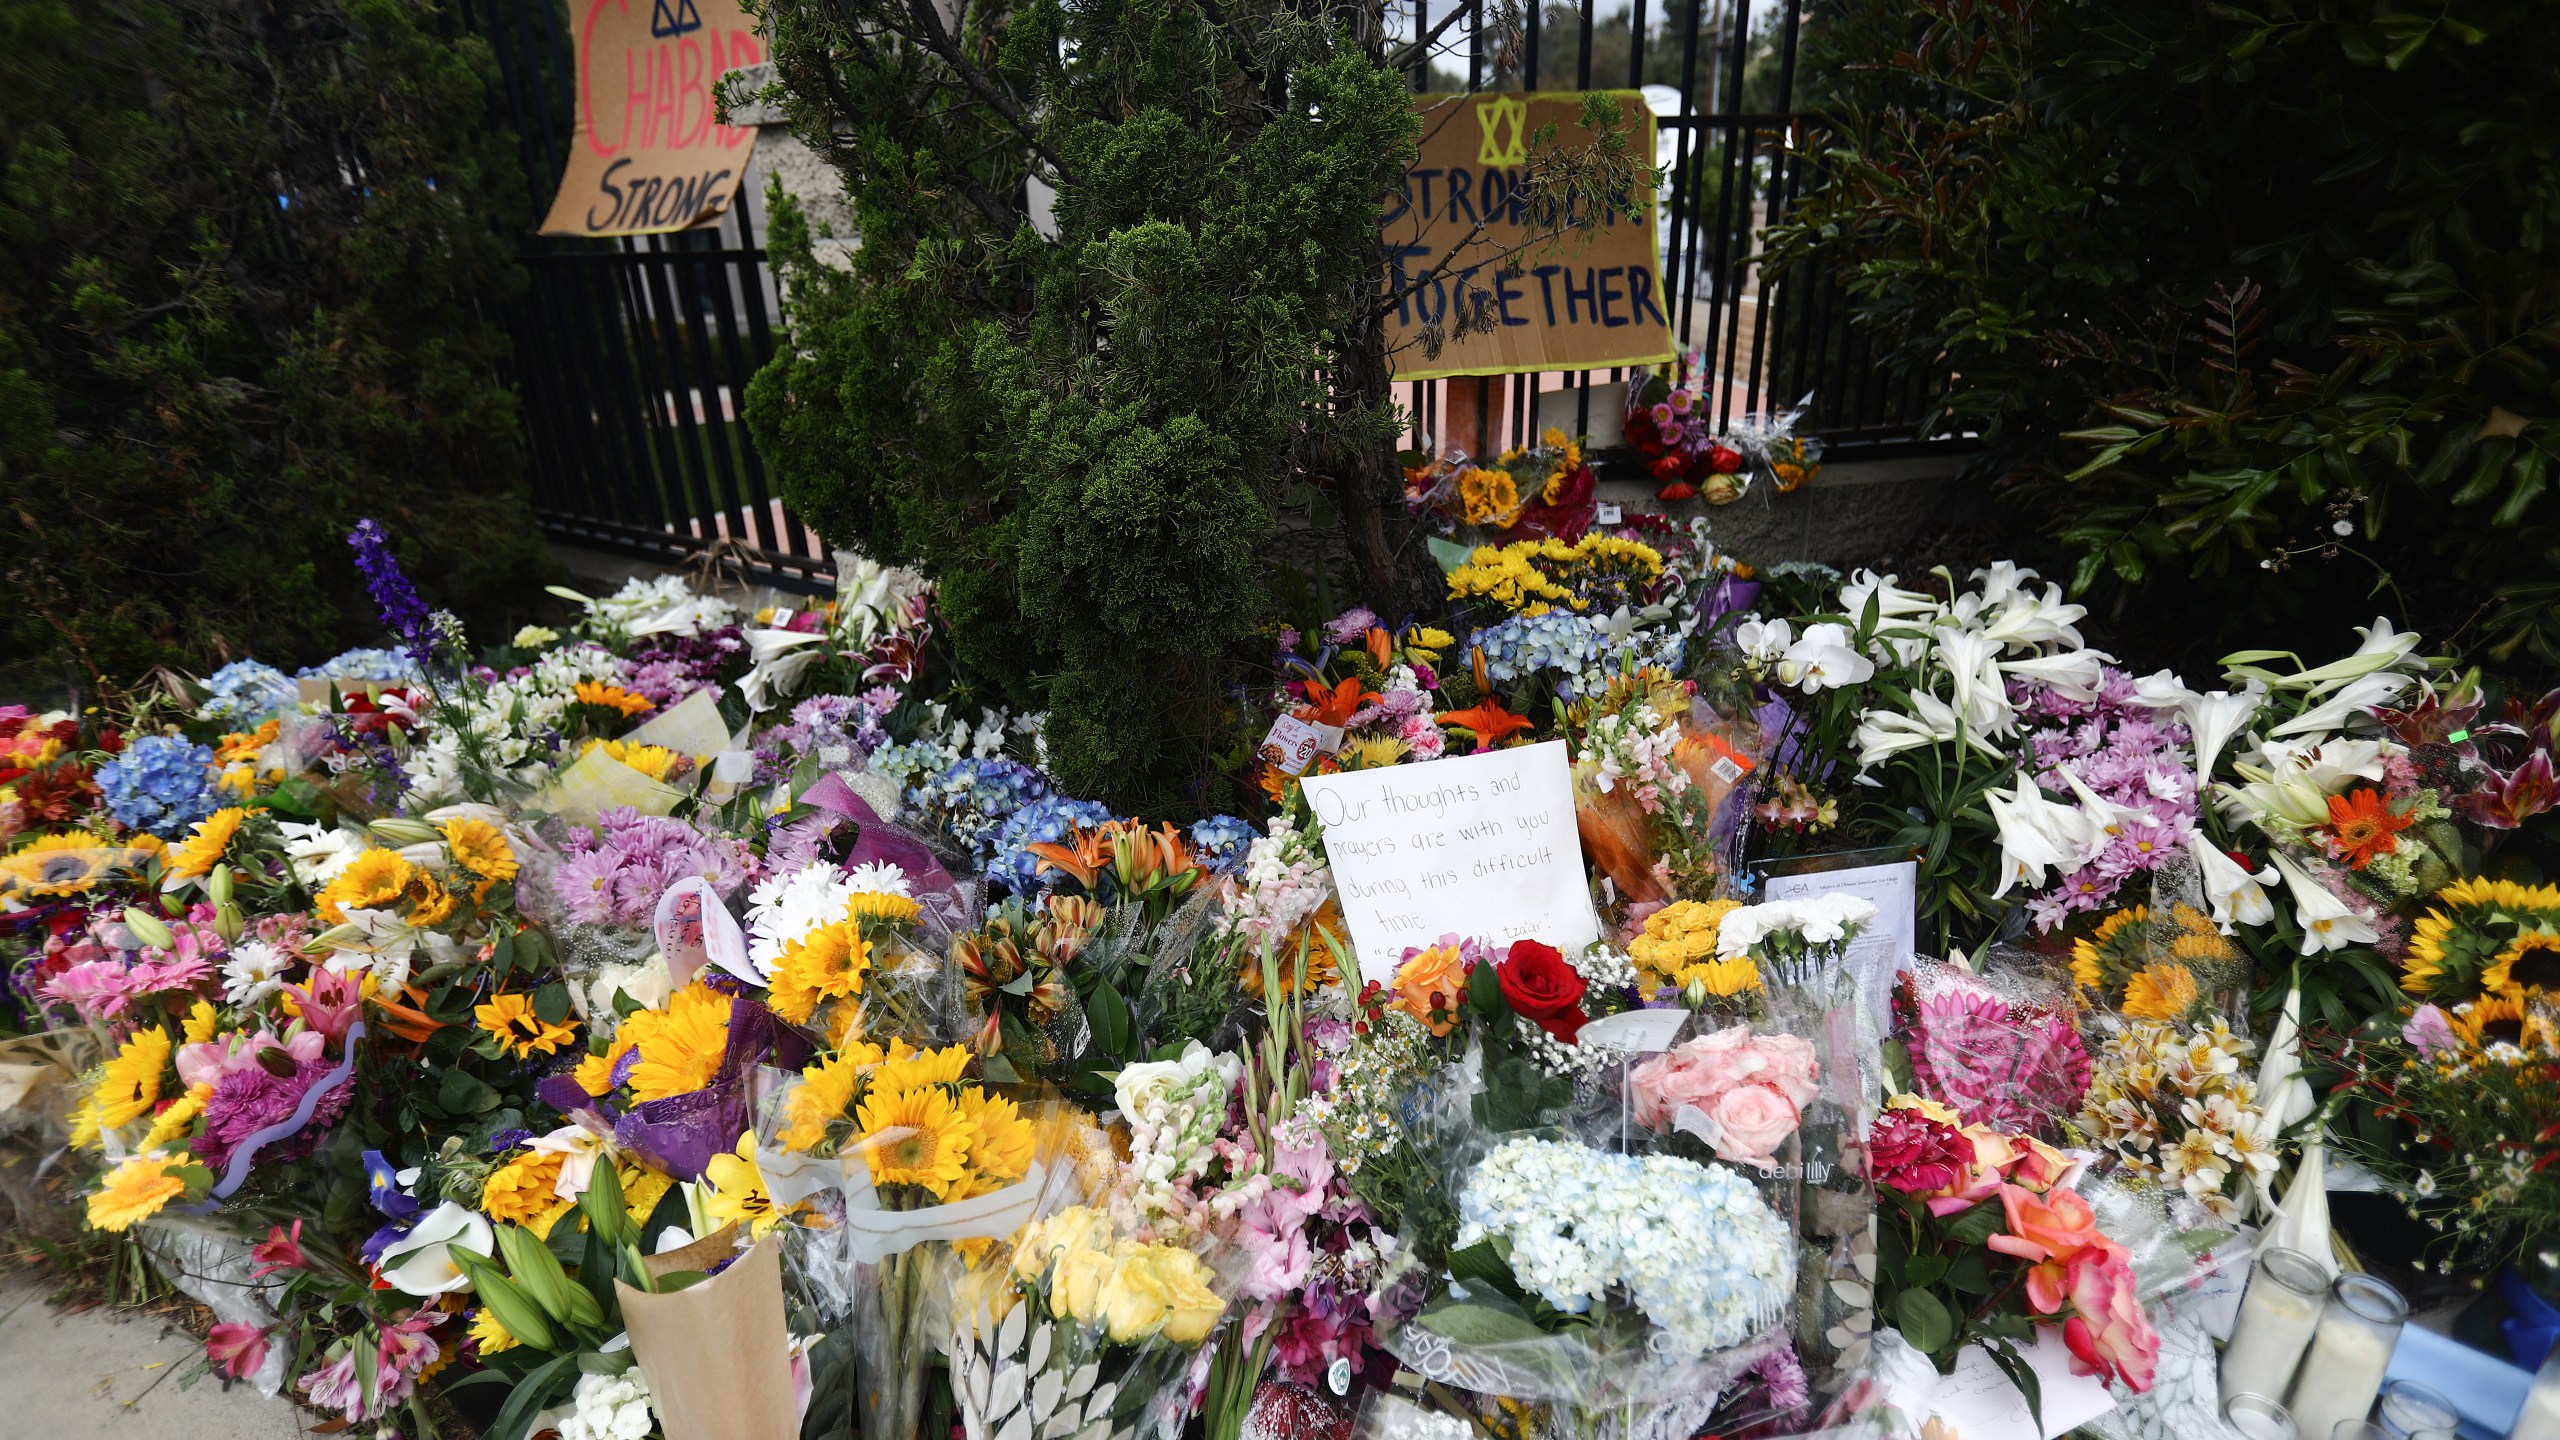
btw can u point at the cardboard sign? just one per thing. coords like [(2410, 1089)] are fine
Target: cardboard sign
[(1460, 233), (1481, 846), (649, 153)]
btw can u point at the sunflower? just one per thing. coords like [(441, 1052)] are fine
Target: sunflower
[(738, 1192), (519, 1030), (524, 1191), (915, 1137), (130, 1084), (825, 1095), (908, 1069), (2104, 958), (2160, 992), (2363, 825), (873, 907), (201, 1023), (681, 1046), (1487, 495), (481, 848), (1719, 978), (59, 865), (2531, 963), (430, 903), (371, 881), (2490, 1019), (595, 1073), (612, 697), (1303, 969), (1000, 1150), (828, 962), (195, 856), (135, 1191), (2425, 958)]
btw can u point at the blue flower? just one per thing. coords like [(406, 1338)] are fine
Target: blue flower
[(246, 692), (161, 783), (403, 613), (383, 666), (971, 800), (1221, 841), (1044, 821)]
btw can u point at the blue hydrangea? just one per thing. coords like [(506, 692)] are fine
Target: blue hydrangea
[(161, 783), (972, 799), (907, 765), (1044, 821), (1221, 840), (382, 666), (246, 692), (1524, 645)]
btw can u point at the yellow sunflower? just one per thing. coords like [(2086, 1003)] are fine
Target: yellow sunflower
[(59, 865), (2490, 1019), (520, 1031), (135, 1191), (2101, 951), (371, 881), (904, 1068), (178, 1118), (893, 909), (130, 1084), (430, 904), (194, 857), (1002, 1140), (915, 1137), (2424, 960), (825, 1094), (2160, 992), (522, 1192), (595, 1073), (1318, 971), (612, 697), (738, 1191), (828, 962), (481, 848), (680, 1046), (655, 761), (201, 1023), (2531, 962)]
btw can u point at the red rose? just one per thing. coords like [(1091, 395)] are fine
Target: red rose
[(1542, 989), (1724, 460)]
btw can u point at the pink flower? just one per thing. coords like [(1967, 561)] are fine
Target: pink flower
[(2429, 1032), (334, 1386), (279, 1252), (1700, 1071), (331, 1002), (1921, 1157), (1277, 1261), (236, 1350), (210, 1062), (2108, 1334), (1751, 1121)]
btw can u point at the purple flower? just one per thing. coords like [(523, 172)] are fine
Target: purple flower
[(617, 877), (253, 1097), (403, 613), (1351, 626)]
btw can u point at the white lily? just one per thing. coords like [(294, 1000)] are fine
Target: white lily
[(2036, 835), (2073, 674), (2213, 720), (1972, 661), (2327, 921), (2237, 896), (2025, 621), (421, 1262), (2351, 699), (2001, 580), (2103, 819), (780, 657), (1884, 732), (1892, 602), (578, 1148), (2163, 690)]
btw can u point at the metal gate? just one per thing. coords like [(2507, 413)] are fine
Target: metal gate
[(633, 356)]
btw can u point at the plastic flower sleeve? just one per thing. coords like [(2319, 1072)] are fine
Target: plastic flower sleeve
[(1823, 1187), (681, 1133), (1999, 1048)]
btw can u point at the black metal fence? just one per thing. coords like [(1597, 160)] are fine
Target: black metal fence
[(633, 356)]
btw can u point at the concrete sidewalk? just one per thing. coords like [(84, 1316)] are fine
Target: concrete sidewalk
[(103, 1374)]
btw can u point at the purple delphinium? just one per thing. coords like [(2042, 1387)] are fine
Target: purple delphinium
[(403, 613), (2129, 755), (615, 878)]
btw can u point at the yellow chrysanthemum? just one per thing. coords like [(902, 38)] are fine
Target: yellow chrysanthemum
[(521, 1192), (1374, 752), (643, 1186), (738, 1192), (2160, 992), (915, 1137), (2531, 962), (130, 1084), (823, 965), (655, 761), (135, 1191), (371, 881), (491, 1336), (612, 697), (680, 1046), (194, 857), (1719, 978), (174, 1122), (1001, 1142), (520, 1031), (481, 848), (58, 865)]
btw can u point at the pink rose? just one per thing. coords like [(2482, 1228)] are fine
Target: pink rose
[(1702, 1071), (1751, 1121), (2108, 1334)]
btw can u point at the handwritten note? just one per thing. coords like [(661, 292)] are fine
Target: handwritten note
[(1480, 845), (1884, 949)]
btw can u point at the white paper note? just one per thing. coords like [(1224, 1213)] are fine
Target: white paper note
[(1479, 846), (1983, 1403)]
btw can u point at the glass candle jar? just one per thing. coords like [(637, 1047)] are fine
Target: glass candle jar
[(2255, 1417), (2540, 1417), (2278, 1312), (2358, 1430), (2410, 1410), (2342, 1374)]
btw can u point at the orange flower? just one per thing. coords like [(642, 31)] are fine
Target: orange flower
[(1431, 985), (612, 697), (2048, 1230), (1381, 646), (2365, 826), (1487, 721), (1335, 707)]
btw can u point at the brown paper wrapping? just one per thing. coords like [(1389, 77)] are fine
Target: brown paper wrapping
[(1613, 835), (717, 1355)]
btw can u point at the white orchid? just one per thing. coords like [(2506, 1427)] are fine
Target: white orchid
[(1824, 658), (421, 1262), (2237, 896), (2327, 921), (1763, 640)]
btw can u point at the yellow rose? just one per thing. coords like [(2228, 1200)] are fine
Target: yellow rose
[(1076, 1284), (1133, 1297), (1930, 1109)]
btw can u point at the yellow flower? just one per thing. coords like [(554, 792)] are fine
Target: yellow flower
[(491, 1335), (84, 1124), (1719, 978), (907, 1068), (481, 848), (130, 1084), (738, 1190), (371, 881), (643, 1186), (915, 1137), (655, 761), (680, 1046), (2425, 958), (824, 1095), (1426, 643), (2531, 962), (1432, 985), (135, 1191), (1679, 936), (174, 1122), (241, 747), (1000, 1150), (828, 962), (595, 1073), (521, 1192), (430, 904), (521, 1032), (2160, 992), (1375, 752), (195, 857), (58, 865), (1158, 1289), (892, 909), (202, 1021), (612, 697), (1487, 496)]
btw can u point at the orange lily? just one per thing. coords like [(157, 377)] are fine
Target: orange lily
[(1336, 706), (1487, 721), (1381, 646), (1085, 855)]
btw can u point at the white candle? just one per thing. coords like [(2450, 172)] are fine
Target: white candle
[(2540, 1418), (2278, 1313), (2359, 1328), (2254, 1426)]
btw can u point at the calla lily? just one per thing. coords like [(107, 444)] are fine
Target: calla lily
[(2327, 922), (2237, 896), (421, 1262)]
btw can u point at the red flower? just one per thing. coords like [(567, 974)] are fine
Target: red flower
[(279, 1251), (2108, 1334), (1677, 490), (1917, 1155), (236, 1350), (1542, 989), (1723, 459)]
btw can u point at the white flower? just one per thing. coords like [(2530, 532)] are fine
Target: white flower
[(1824, 657), (2163, 690), (780, 657), (2073, 674), (2356, 697), (1891, 601), (2105, 817), (2237, 896), (1763, 640), (1883, 732), (610, 1407), (578, 1149), (2327, 923), (421, 1262), (878, 877), (1971, 659), (2001, 581), (2036, 835), (784, 908), (647, 983), (319, 852), (534, 637), (2024, 621), (254, 972)]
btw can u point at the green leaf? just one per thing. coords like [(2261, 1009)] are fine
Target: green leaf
[(1975, 1225), (1482, 1263), (462, 1093), (2021, 1374), (1923, 1320), (551, 1002), (533, 1394)]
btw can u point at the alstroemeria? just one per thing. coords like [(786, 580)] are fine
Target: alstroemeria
[(235, 1349), (421, 1262), (2237, 896), (279, 1252), (2327, 921)]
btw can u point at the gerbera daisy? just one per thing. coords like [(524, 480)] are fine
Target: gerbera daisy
[(135, 1191), (59, 865), (130, 1084), (915, 1137), (520, 1031), (2363, 825), (178, 1116), (612, 697), (2160, 992), (481, 848), (524, 1192), (2531, 963), (194, 857), (680, 1046), (371, 881)]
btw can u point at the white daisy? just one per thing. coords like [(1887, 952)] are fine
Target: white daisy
[(254, 972), (878, 878), (319, 852)]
